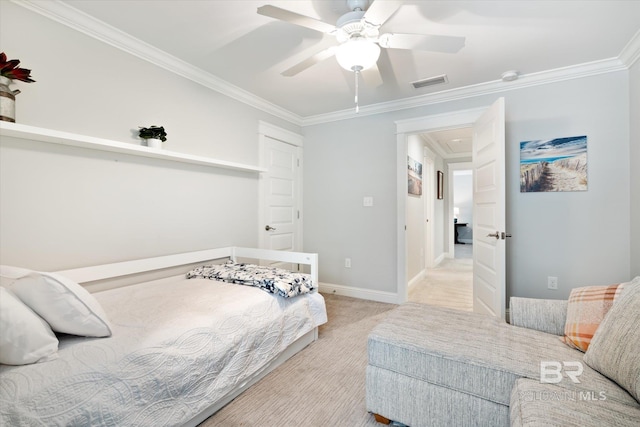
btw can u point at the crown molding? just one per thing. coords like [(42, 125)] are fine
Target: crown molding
[(631, 52), (80, 21), (86, 24), (284, 135), (495, 86), (433, 145), (436, 147)]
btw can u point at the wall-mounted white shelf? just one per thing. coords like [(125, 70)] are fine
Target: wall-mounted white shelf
[(33, 133)]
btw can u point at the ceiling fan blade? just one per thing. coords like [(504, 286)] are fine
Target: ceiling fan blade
[(295, 18), (381, 10), (372, 76), (313, 60), (445, 44)]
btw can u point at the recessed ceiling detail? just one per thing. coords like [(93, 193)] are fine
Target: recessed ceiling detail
[(450, 143)]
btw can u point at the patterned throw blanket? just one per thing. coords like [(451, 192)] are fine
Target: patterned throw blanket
[(270, 279)]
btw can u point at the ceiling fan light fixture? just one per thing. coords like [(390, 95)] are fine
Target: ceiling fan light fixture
[(357, 54)]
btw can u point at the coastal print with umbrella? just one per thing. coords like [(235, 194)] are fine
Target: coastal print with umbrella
[(558, 164)]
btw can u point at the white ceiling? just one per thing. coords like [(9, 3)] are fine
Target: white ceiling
[(450, 143), (229, 40)]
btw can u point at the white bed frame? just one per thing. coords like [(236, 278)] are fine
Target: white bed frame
[(109, 274)]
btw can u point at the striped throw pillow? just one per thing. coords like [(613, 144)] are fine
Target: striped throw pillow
[(586, 309)]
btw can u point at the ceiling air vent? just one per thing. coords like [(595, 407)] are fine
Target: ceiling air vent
[(430, 81)]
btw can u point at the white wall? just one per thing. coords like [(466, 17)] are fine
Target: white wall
[(345, 161), (441, 223), (634, 160), (64, 207), (415, 215), (568, 235)]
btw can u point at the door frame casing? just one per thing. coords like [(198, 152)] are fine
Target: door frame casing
[(268, 130), (404, 128)]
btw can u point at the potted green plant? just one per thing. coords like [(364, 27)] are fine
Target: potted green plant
[(9, 72), (153, 135)]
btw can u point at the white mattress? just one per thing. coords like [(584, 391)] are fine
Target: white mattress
[(177, 347)]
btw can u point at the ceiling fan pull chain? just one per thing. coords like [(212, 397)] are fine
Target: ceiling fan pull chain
[(357, 73)]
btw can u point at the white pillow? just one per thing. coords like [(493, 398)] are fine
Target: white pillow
[(24, 337), (65, 305), (9, 274)]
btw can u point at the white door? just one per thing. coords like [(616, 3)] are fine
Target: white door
[(280, 225), (489, 245)]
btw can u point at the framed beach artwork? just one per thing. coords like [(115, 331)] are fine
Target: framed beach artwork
[(558, 164), (414, 171)]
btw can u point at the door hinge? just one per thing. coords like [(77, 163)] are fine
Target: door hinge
[(298, 214), (298, 162)]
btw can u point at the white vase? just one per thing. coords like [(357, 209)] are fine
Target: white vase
[(154, 143), (7, 100)]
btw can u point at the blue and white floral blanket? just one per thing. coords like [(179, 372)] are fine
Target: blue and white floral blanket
[(270, 279)]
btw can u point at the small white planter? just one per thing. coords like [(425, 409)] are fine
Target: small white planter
[(7, 100), (154, 143)]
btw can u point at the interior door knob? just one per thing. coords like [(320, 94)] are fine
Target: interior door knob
[(269, 228), (496, 235), (504, 235)]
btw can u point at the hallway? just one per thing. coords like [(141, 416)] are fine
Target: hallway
[(450, 284)]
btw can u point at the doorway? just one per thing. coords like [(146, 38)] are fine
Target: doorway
[(489, 200), (405, 128), (447, 278), (280, 196)]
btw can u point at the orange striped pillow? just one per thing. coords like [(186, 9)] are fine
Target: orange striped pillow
[(586, 309)]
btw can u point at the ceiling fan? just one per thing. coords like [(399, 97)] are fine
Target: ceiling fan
[(358, 35)]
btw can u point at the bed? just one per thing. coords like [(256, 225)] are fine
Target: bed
[(180, 348)]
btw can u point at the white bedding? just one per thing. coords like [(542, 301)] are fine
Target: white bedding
[(177, 347)]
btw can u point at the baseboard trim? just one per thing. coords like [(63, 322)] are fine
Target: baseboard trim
[(417, 278), (368, 294), (441, 258)]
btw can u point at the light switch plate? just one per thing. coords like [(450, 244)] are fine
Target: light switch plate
[(367, 201)]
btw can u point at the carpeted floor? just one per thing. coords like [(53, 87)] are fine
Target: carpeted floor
[(450, 284), (323, 385)]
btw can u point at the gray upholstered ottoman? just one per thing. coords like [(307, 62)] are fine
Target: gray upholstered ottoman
[(430, 366)]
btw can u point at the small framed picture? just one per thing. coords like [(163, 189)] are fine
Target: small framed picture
[(440, 185)]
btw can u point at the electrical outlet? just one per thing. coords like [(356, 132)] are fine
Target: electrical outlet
[(552, 282), (347, 263)]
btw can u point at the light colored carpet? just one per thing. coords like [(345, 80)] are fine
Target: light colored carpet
[(323, 385), (450, 284)]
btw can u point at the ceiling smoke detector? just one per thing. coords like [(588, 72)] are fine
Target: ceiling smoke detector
[(509, 76)]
